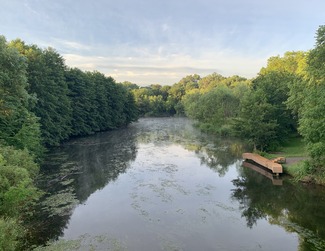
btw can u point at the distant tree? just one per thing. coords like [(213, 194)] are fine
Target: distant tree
[(213, 109), (130, 86), (178, 91), (142, 100), (130, 108), (211, 81)]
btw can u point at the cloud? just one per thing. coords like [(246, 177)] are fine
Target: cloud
[(153, 68), (150, 41)]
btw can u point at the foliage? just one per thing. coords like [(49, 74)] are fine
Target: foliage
[(18, 125), (18, 195), (154, 100), (213, 109), (17, 192), (42, 102), (157, 100), (71, 102), (255, 122), (47, 82), (307, 98), (264, 118), (82, 98), (293, 62), (312, 125), (10, 232)]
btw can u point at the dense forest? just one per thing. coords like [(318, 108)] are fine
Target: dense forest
[(43, 102)]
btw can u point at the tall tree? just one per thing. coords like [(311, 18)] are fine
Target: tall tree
[(312, 111), (81, 96), (294, 62), (18, 125), (255, 123), (46, 78), (270, 91)]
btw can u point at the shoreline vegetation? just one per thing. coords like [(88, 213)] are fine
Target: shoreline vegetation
[(295, 153), (43, 102)]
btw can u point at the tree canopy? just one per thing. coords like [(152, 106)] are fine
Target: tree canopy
[(42, 103)]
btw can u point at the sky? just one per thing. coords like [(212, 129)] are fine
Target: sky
[(161, 41)]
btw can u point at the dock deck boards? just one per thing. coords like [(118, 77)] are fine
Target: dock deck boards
[(269, 164)]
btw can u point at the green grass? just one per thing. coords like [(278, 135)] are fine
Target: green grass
[(294, 147), (297, 170)]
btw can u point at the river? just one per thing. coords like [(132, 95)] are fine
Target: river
[(160, 184)]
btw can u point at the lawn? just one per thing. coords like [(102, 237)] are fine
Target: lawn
[(294, 147)]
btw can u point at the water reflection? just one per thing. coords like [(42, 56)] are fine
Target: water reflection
[(276, 180), (74, 171), (160, 184), (217, 153), (80, 167), (297, 208)]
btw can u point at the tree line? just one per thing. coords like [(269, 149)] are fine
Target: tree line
[(42, 103), (286, 98)]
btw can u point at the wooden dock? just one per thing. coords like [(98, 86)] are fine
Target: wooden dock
[(272, 165)]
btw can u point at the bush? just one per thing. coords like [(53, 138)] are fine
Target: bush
[(10, 231)]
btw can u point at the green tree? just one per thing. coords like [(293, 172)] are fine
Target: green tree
[(312, 111), (82, 104), (46, 78), (178, 91), (130, 108), (254, 123), (270, 91), (213, 109), (294, 62), (18, 125), (53, 106), (142, 100), (211, 81)]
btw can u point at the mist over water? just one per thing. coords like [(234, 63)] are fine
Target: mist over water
[(161, 184)]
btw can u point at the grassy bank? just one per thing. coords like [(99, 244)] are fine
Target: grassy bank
[(294, 150)]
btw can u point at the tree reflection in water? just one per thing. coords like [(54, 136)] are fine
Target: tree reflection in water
[(295, 207), (73, 172), (80, 167)]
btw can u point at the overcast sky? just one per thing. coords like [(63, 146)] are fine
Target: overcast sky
[(162, 41)]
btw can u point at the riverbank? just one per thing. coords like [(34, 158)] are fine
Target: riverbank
[(294, 150)]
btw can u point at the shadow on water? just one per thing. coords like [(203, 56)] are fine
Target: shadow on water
[(298, 208), (74, 171)]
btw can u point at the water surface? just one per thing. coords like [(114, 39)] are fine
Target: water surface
[(160, 184)]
